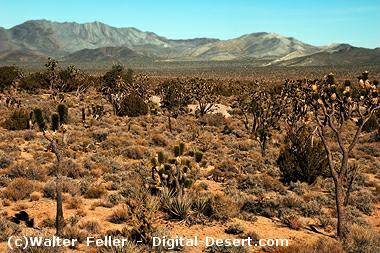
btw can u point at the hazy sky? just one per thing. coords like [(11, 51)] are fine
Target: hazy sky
[(317, 22)]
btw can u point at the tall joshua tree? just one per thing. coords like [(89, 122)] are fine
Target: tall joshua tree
[(203, 93), (174, 98), (56, 147), (334, 106), (260, 110)]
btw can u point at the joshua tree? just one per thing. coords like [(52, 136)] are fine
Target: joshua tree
[(260, 111), (334, 107), (51, 73), (174, 98), (174, 173), (63, 113), (120, 89), (56, 147), (203, 93)]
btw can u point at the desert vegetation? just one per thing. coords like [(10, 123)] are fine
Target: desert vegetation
[(133, 155)]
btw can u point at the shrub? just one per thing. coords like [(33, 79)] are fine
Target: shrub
[(73, 232), (7, 229), (198, 156), (215, 120), (136, 152), (74, 203), (35, 196), (20, 188), (33, 82), (176, 207), (27, 170), (364, 202), (361, 240), (18, 120), (159, 140), (266, 208), (8, 74), (91, 226), (95, 191), (372, 123), (234, 229), (257, 184), (4, 161), (302, 160), (133, 106), (291, 220), (323, 245), (120, 214)]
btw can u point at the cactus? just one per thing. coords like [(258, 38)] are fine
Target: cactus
[(63, 113), (38, 117), (198, 156), (173, 173), (54, 121), (179, 150)]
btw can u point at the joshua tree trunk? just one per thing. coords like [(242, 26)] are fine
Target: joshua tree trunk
[(170, 123), (340, 209), (59, 219)]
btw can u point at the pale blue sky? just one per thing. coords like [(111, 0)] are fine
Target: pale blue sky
[(318, 22)]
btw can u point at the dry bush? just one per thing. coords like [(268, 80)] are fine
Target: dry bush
[(265, 207), (159, 140), (215, 120), (257, 184), (120, 214), (69, 168), (73, 232), (363, 201), (48, 222), (323, 245), (4, 161), (20, 188), (234, 229), (224, 208), (35, 196), (292, 221), (227, 169), (91, 226), (7, 229), (68, 186), (136, 152), (95, 191), (74, 202), (361, 240), (27, 169)]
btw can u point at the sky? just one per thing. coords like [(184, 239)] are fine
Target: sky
[(317, 22)]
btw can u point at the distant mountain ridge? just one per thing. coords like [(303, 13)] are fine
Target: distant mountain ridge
[(96, 42)]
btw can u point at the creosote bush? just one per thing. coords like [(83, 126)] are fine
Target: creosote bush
[(18, 120), (303, 158)]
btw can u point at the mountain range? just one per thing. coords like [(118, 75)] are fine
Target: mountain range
[(97, 43)]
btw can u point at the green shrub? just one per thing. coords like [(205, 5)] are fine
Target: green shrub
[(63, 112), (133, 106), (54, 121), (18, 120), (33, 82), (8, 74), (302, 160)]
